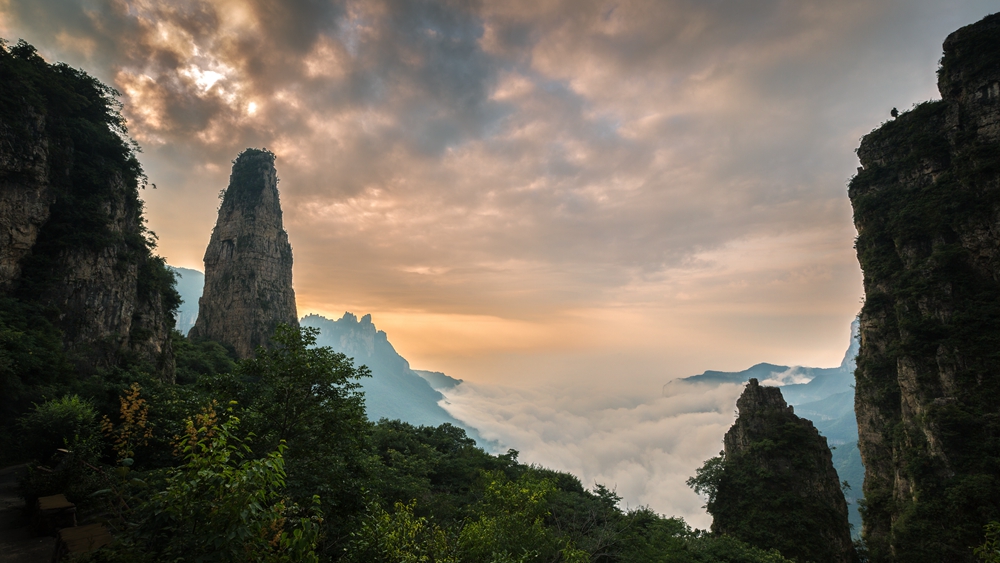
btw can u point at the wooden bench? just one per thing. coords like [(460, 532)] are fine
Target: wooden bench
[(80, 539), (55, 512)]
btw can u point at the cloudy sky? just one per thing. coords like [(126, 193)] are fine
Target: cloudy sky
[(566, 203), (528, 188)]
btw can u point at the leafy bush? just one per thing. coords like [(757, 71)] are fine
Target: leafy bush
[(400, 536), (68, 422), (222, 505), (989, 551), (308, 399), (195, 359)]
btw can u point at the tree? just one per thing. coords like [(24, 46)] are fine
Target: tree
[(295, 390), (400, 536), (308, 398), (989, 551), (707, 477), (509, 524), (221, 505)]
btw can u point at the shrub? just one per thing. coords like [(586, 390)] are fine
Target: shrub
[(68, 422)]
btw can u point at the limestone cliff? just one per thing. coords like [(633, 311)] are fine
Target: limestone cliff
[(73, 245), (927, 210), (25, 193), (779, 488), (248, 263)]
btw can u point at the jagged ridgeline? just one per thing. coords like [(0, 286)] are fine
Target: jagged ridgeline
[(927, 209), (80, 290), (248, 262)]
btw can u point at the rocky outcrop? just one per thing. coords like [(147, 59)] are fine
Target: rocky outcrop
[(73, 245), (927, 210), (248, 263), (779, 488)]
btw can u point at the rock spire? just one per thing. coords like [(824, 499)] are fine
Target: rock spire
[(779, 489), (248, 263)]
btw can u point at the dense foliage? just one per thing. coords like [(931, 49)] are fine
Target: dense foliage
[(32, 362), (279, 452)]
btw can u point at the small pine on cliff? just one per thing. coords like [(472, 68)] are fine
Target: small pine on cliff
[(80, 289), (927, 209), (774, 485), (248, 262)]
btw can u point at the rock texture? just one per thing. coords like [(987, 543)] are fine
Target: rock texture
[(72, 237), (779, 488), (927, 210), (248, 263), (25, 193)]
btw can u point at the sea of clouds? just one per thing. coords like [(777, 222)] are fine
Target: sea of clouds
[(645, 448)]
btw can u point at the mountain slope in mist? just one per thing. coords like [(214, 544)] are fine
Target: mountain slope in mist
[(190, 284), (394, 391)]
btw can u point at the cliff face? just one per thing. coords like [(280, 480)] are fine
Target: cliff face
[(248, 263), (927, 209), (779, 488), (25, 193), (73, 241)]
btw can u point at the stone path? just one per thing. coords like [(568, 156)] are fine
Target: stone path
[(17, 543)]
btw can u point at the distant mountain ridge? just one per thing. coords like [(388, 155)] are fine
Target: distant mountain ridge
[(190, 284), (824, 390), (438, 380), (798, 384), (395, 391)]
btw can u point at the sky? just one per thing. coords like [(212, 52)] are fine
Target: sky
[(528, 189)]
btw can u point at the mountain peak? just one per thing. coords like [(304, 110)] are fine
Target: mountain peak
[(248, 262)]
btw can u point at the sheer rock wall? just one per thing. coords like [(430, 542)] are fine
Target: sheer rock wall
[(248, 262), (72, 237), (927, 210)]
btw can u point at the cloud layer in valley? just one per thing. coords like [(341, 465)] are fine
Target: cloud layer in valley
[(643, 448)]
